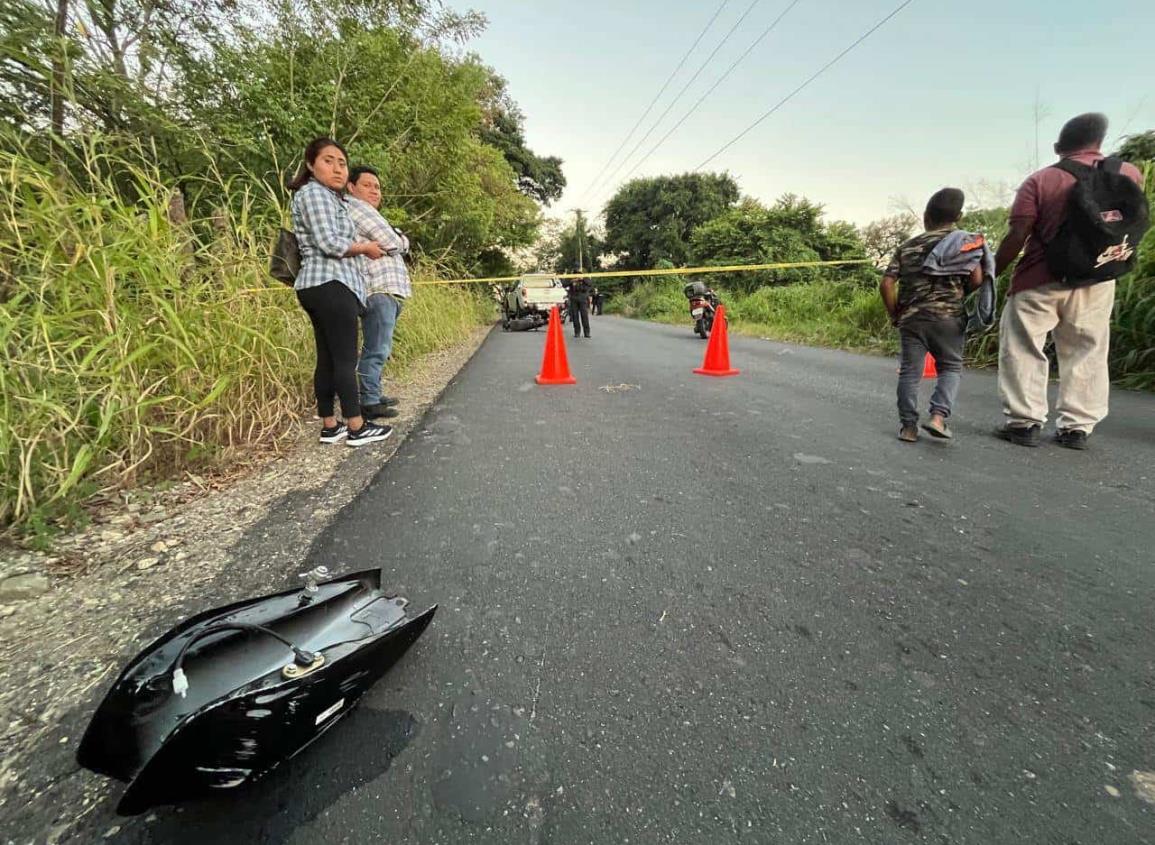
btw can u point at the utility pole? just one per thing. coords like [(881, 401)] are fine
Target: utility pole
[(579, 226)]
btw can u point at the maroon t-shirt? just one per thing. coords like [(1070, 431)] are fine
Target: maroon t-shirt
[(1042, 204)]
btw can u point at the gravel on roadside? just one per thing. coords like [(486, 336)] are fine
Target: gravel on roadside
[(74, 616)]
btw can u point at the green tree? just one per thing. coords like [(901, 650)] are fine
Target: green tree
[(569, 248), (538, 177), (991, 222), (107, 65), (1138, 148), (792, 230), (579, 250), (412, 111), (648, 220)]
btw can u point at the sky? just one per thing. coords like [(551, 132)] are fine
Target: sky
[(942, 94)]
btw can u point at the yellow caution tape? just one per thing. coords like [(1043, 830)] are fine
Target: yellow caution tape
[(678, 271), (609, 274)]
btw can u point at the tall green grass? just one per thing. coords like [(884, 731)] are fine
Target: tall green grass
[(836, 313), (135, 348)]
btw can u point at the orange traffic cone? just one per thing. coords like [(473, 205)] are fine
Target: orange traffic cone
[(555, 364), (717, 361), (929, 370)]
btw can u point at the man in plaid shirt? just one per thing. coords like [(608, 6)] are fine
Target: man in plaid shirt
[(387, 287)]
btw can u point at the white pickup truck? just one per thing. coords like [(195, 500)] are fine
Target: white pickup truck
[(531, 298)]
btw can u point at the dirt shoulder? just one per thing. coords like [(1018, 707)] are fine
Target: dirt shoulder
[(73, 617)]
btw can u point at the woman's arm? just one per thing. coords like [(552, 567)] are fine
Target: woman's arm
[(320, 216)]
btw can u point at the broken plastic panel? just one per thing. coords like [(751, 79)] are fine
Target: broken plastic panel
[(226, 696)]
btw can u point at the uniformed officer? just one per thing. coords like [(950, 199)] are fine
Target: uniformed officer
[(579, 306)]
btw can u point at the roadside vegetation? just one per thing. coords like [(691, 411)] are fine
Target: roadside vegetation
[(140, 189), (703, 220)]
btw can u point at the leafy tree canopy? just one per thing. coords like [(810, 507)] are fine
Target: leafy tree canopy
[(225, 89), (791, 230), (1138, 148), (503, 129), (648, 220)]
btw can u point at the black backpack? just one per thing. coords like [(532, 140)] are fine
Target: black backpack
[(285, 262), (1107, 216)]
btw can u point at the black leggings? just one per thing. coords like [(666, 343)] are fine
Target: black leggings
[(334, 310)]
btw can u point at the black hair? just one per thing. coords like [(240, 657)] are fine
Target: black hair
[(359, 171), (945, 206), (1082, 132), (311, 152)]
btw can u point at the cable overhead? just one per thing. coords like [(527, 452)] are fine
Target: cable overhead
[(791, 95), (657, 96), (711, 89), (685, 87)]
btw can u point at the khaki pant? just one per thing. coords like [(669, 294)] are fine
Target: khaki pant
[(1080, 320)]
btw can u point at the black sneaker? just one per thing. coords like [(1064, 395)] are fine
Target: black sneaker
[(1020, 435), (1071, 438), (335, 434), (378, 411), (369, 433)]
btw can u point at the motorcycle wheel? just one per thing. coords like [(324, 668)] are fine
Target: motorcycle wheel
[(700, 328)]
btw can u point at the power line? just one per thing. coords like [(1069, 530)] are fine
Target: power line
[(657, 96), (712, 88), (790, 96), (685, 87)]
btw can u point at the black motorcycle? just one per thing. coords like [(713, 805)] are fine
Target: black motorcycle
[(703, 307)]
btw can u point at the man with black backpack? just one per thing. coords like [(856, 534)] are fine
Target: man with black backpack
[(1081, 220)]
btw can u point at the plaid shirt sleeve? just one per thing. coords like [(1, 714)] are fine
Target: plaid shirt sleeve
[(388, 274), (371, 225), (320, 217)]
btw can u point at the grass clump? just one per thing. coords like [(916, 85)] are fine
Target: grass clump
[(847, 315), (138, 346)]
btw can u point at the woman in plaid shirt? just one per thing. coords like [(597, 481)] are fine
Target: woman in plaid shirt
[(331, 289)]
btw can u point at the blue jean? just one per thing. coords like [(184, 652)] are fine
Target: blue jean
[(377, 324), (944, 340)]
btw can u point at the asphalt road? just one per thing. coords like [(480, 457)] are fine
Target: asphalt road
[(696, 610)]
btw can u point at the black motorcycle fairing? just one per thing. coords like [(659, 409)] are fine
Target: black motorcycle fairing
[(244, 711)]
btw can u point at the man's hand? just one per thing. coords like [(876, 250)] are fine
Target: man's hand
[(370, 249), (1012, 245)]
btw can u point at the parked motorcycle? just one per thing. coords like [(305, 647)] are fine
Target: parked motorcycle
[(703, 306)]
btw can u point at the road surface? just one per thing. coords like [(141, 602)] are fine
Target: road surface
[(687, 610)]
